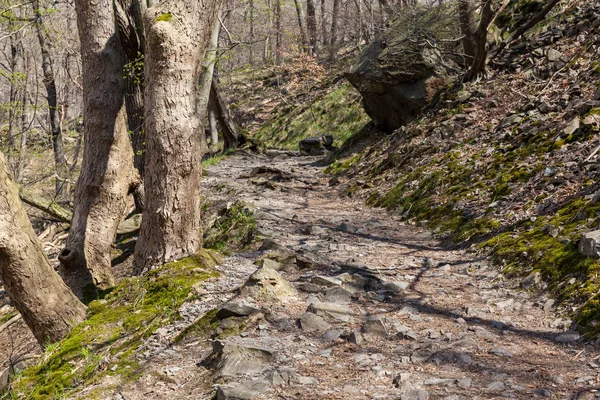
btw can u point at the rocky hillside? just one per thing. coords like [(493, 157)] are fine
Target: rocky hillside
[(508, 165)]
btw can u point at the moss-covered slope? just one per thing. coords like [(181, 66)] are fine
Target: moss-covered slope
[(504, 164), (105, 344)]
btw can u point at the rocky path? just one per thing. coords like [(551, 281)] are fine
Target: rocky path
[(363, 306)]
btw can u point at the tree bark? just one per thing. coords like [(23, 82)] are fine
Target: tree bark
[(210, 60), (311, 24), (335, 21), (278, 43), (131, 37), (251, 47), (214, 131), (480, 41), (107, 173), (177, 34), (60, 160), (232, 137), (300, 15), (466, 16), (48, 307), (324, 33)]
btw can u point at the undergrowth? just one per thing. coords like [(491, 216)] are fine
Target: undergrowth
[(338, 113)]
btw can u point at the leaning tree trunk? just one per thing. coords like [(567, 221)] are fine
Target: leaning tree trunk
[(60, 160), (232, 137), (480, 41), (107, 171), (177, 34), (47, 305)]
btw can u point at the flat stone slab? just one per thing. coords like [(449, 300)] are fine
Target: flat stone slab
[(331, 310), (243, 391)]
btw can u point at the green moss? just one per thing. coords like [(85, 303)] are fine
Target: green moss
[(234, 229), (529, 246), (105, 343), (7, 316), (338, 167), (166, 17), (338, 113)]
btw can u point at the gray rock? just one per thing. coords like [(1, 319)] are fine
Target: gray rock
[(567, 337), (310, 322), (496, 386), (338, 295), (243, 391), (465, 383), (268, 263), (532, 280), (414, 394), (572, 127), (347, 228), (232, 361), (439, 381), (327, 281), (267, 285), (374, 326), (543, 393), (310, 287), (553, 55), (397, 76), (356, 337), (332, 310), (307, 380), (500, 352), (235, 310), (397, 286), (589, 244), (316, 145), (332, 335)]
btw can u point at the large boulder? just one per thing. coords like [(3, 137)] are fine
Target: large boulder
[(400, 72)]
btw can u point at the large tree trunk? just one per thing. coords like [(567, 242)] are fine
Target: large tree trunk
[(107, 172), (466, 17), (232, 137), (48, 307), (300, 15), (311, 25), (177, 34), (60, 161)]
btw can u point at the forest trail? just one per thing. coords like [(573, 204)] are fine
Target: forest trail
[(433, 322)]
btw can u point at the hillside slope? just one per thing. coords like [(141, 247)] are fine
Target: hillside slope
[(508, 164)]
